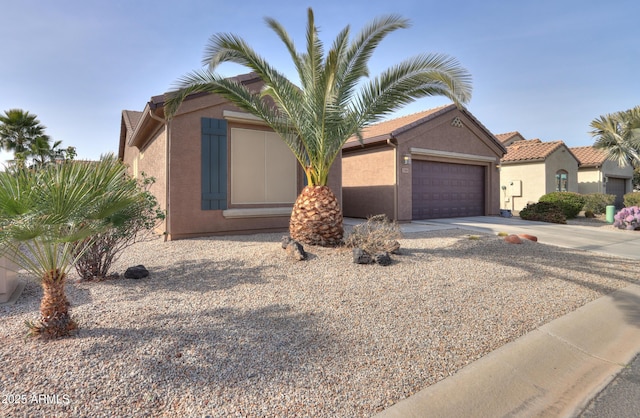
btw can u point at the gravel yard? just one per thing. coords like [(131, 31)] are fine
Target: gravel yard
[(230, 326)]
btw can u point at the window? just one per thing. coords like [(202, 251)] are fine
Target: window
[(562, 183), (263, 169)]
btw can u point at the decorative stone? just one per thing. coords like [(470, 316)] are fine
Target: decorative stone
[(360, 256), (382, 258), (529, 237), (136, 272), (513, 239), (286, 239), (296, 251)]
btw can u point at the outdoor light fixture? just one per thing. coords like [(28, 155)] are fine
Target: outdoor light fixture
[(406, 159)]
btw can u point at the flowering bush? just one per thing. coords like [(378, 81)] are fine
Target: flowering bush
[(627, 218)]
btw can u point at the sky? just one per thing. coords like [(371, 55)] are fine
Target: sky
[(544, 68)]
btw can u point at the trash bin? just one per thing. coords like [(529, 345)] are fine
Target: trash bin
[(611, 210)]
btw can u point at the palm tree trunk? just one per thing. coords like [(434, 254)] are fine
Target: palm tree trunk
[(316, 218), (55, 320)]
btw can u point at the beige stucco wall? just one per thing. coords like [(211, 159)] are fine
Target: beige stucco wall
[(368, 182), (591, 179), (531, 177), (537, 178), (468, 144)]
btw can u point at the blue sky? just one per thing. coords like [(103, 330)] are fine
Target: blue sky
[(544, 68)]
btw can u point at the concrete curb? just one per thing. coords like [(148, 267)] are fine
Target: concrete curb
[(554, 370)]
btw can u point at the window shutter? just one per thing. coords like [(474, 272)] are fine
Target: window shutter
[(214, 164)]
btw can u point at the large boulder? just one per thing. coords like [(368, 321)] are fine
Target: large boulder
[(382, 258), (360, 256), (295, 250)]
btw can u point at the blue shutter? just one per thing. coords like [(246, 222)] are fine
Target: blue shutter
[(214, 164)]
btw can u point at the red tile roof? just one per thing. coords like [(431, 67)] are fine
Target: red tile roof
[(530, 150), (505, 137), (589, 156)]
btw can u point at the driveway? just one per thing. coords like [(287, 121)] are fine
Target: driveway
[(619, 243)]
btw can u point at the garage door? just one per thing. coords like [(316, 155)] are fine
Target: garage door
[(616, 186), (445, 190)]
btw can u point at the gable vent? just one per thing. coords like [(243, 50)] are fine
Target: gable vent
[(456, 122)]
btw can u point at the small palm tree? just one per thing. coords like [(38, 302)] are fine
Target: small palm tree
[(330, 105), (47, 218), (619, 135), (19, 132)]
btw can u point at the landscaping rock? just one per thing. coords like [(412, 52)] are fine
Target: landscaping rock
[(136, 272), (286, 239), (529, 237), (360, 256), (382, 258), (513, 239), (393, 247), (295, 250)]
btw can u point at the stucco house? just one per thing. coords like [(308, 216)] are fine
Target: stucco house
[(218, 170), (433, 164), (532, 168), (598, 174)]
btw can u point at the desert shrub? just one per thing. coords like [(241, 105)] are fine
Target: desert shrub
[(598, 202), (377, 234), (589, 214), (136, 223), (632, 199), (544, 212), (627, 218), (571, 203)]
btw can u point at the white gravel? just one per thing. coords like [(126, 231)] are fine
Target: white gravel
[(231, 327)]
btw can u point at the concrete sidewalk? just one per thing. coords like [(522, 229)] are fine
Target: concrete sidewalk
[(555, 370)]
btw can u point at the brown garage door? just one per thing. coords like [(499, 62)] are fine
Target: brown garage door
[(616, 186), (445, 190)]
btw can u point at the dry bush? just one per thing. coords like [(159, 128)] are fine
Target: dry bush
[(377, 234)]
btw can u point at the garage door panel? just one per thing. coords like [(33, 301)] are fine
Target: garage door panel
[(445, 190), (616, 186)]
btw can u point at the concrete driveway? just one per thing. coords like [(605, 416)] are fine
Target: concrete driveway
[(601, 240)]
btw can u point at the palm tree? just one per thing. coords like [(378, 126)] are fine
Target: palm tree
[(47, 217), (619, 135), (19, 130), (43, 152), (330, 105)]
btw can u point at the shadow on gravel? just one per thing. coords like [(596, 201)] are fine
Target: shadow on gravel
[(190, 276), (223, 347), (534, 258)]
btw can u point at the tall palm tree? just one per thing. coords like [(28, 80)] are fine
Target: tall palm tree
[(19, 131), (330, 105), (619, 135), (47, 218), (43, 152)]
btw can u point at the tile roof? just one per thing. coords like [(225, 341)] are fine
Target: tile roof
[(505, 137), (589, 156), (393, 125), (530, 150)]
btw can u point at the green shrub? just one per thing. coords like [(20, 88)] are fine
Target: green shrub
[(543, 212), (571, 203), (632, 199), (598, 202)]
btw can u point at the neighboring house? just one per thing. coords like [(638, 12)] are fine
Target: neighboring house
[(532, 168), (438, 163), (597, 174), (218, 170)]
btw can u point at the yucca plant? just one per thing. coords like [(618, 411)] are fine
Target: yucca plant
[(331, 104), (47, 219)]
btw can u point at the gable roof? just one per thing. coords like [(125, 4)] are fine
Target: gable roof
[(531, 150), (381, 132), (589, 156), (505, 137)]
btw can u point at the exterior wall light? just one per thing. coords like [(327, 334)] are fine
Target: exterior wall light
[(406, 159)]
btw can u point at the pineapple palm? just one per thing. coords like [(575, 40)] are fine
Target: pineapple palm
[(331, 104), (47, 219)]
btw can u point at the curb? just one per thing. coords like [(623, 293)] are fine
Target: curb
[(554, 370)]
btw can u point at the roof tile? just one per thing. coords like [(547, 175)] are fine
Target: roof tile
[(530, 150), (589, 156)]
